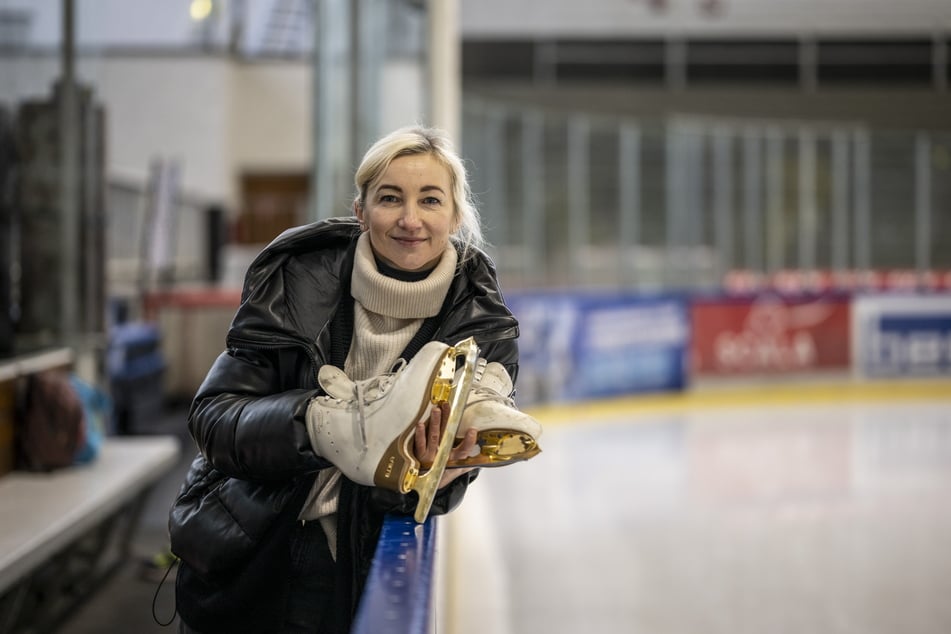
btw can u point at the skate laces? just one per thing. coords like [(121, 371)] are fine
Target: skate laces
[(372, 389), (480, 392)]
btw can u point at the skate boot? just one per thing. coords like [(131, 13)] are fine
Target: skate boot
[(367, 428), (505, 434)]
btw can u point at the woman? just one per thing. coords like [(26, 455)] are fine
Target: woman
[(274, 530)]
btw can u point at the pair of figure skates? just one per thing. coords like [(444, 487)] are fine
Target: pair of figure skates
[(366, 428)]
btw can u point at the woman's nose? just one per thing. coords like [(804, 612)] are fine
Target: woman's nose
[(409, 219)]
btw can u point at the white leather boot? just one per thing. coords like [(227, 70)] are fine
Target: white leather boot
[(505, 434), (366, 428)]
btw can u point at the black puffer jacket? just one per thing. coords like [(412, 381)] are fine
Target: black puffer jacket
[(256, 464)]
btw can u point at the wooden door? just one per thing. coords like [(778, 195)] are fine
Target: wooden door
[(271, 202)]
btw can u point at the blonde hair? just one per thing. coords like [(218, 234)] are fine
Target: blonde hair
[(414, 140)]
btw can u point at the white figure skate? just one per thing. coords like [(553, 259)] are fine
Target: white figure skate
[(505, 434), (366, 428)]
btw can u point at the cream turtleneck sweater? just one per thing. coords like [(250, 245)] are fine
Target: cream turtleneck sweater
[(387, 313)]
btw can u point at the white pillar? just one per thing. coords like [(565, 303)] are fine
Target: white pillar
[(444, 75)]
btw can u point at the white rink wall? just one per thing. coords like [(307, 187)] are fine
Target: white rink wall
[(607, 18)]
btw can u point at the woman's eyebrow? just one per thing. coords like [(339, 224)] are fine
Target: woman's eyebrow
[(424, 188)]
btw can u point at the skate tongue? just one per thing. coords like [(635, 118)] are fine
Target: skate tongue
[(335, 382)]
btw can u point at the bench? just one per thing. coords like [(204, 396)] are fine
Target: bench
[(63, 533)]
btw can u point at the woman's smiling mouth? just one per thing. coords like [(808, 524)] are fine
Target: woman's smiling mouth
[(410, 242)]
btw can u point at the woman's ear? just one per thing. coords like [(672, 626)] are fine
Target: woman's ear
[(358, 212)]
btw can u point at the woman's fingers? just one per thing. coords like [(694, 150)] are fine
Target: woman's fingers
[(436, 426), (466, 447), (419, 443), (428, 433)]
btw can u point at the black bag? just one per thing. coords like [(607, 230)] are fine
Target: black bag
[(225, 567), (50, 422)]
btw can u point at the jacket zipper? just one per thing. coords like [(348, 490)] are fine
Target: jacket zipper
[(257, 345)]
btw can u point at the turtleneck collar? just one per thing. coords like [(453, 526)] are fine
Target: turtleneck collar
[(400, 274), (390, 296)]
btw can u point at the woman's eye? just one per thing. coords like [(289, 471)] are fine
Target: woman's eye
[(388, 198), (431, 200)]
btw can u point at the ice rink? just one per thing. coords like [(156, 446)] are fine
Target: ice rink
[(814, 509)]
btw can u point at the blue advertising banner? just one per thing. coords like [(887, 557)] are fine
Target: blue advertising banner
[(912, 344), (576, 346), (903, 336)]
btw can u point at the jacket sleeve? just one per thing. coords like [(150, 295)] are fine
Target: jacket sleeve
[(481, 312), (246, 425), (447, 498)]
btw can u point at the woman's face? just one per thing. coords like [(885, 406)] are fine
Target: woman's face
[(409, 212)]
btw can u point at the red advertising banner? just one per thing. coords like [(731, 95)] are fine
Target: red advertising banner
[(770, 333)]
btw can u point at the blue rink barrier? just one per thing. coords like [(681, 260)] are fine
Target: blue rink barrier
[(398, 595)]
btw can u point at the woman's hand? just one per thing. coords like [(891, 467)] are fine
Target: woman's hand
[(428, 433)]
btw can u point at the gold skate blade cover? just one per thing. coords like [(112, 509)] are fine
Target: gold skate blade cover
[(399, 470), (499, 447)]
